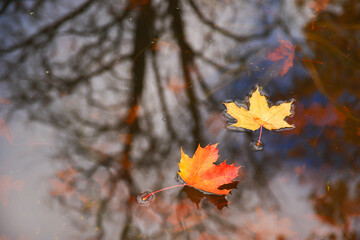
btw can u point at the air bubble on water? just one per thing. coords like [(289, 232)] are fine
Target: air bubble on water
[(164, 119), (257, 145), (145, 198)]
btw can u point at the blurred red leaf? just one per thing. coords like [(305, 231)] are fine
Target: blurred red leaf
[(6, 185), (285, 53), (318, 5), (132, 114), (300, 171), (215, 123), (320, 116), (21, 237), (206, 236), (269, 226), (67, 175), (4, 101), (126, 138), (184, 216), (180, 212), (4, 131), (176, 85), (162, 45), (88, 204), (63, 184), (60, 188)]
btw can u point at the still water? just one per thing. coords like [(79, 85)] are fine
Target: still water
[(98, 99)]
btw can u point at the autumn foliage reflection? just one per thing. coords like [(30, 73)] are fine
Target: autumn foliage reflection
[(125, 84)]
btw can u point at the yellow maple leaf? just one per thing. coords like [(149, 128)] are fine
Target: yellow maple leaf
[(259, 114)]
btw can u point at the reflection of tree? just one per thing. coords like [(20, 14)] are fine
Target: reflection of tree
[(337, 208), (95, 72)]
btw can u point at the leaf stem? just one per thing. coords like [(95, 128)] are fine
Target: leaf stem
[(258, 142), (163, 189)]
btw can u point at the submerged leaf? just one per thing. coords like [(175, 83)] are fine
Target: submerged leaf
[(4, 131), (284, 53), (6, 185)]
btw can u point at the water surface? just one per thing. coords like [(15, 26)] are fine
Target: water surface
[(97, 98)]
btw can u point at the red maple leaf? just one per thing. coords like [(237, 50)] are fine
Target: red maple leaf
[(200, 171), (6, 185), (285, 53), (163, 45)]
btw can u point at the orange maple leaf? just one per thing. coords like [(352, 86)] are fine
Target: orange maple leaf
[(284, 52), (259, 114), (6, 184), (200, 171)]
